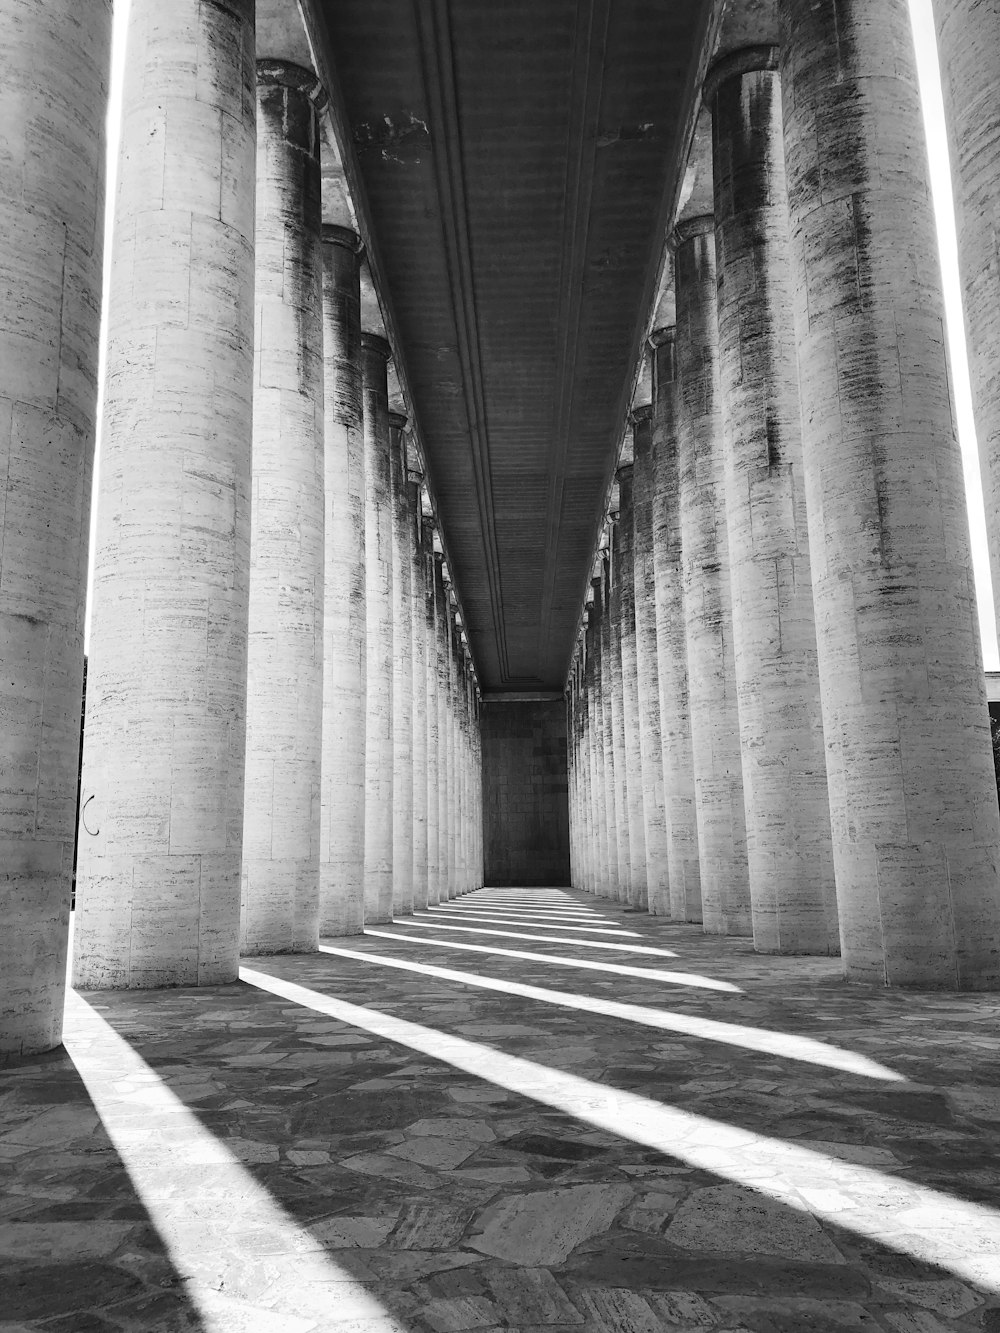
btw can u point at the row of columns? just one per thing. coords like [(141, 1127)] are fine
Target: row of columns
[(791, 549), (282, 719)]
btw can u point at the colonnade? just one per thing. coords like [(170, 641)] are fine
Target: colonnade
[(787, 538), (282, 733)]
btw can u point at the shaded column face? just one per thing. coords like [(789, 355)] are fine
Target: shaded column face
[(443, 754), (433, 725), (617, 692), (912, 789), (598, 764), (647, 681), (402, 678), (684, 867), (968, 38), (342, 832), (638, 891), (53, 101), (379, 756), (419, 689), (612, 819), (159, 877), (281, 817), (725, 890), (789, 851)]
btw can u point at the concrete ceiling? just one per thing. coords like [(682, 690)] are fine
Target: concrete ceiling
[(514, 168)]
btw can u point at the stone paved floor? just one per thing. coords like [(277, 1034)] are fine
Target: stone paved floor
[(509, 1113)]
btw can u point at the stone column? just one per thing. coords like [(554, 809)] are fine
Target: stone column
[(379, 754), (612, 820), (441, 669), (448, 663), (281, 814), (433, 720), (603, 879), (402, 678), (54, 100), (617, 690), (715, 735), (789, 852), (342, 817), (916, 828), (684, 868), (647, 685), (585, 821), (968, 38), (158, 886), (418, 684), (638, 894)]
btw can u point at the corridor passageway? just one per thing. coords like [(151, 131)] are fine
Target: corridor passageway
[(437, 1126)]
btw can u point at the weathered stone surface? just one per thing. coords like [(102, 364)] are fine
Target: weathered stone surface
[(736, 1221), (433, 721), (342, 829), (638, 892), (912, 787), (159, 881), (613, 822), (418, 686), (789, 851), (281, 815), (616, 691), (53, 102), (543, 1227), (402, 676), (725, 889)]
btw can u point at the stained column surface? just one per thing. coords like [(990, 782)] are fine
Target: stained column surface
[(450, 792), (598, 783), (441, 689), (402, 677), (342, 830), (433, 723), (158, 899), (612, 821), (281, 815), (913, 798), (53, 101), (617, 691), (638, 890), (715, 737), (418, 686), (684, 867), (647, 684), (789, 850), (968, 39), (585, 816), (379, 757)]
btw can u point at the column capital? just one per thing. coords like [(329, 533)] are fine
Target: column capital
[(689, 228), (335, 235), (659, 337), (747, 60), (397, 421), (640, 415), (374, 342), (286, 74)]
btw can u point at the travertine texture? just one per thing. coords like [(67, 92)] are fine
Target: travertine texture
[(617, 692), (442, 684), (450, 775), (433, 719), (647, 685), (342, 831), (789, 852), (612, 821), (602, 878), (968, 33), (916, 827), (53, 102), (375, 353), (725, 890), (281, 814), (418, 687), (638, 894), (684, 871), (402, 676), (159, 881)]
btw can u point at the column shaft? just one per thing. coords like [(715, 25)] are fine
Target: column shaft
[(342, 832), (789, 852), (53, 103), (402, 679), (158, 900), (433, 718), (618, 716), (612, 818), (378, 605), (715, 736), (913, 796), (441, 668), (281, 815), (635, 804), (418, 687)]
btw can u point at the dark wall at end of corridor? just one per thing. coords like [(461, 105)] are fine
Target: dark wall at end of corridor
[(525, 803)]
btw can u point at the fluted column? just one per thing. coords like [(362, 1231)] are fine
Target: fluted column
[(715, 734), (638, 895), (402, 677), (789, 851), (612, 818), (433, 719), (53, 100), (342, 813), (281, 815), (418, 683), (379, 754), (968, 40), (916, 828), (158, 884), (684, 867), (617, 691)]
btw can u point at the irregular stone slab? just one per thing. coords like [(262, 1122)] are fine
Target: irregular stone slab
[(454, 1127), (391, 1168), (733, 1220), (619, 1310), (543, 1228), (531, 1296), (358, 1233), (450, 1314), (795, 1313), (948, 1297), (430, 1226), (445, 1153)]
